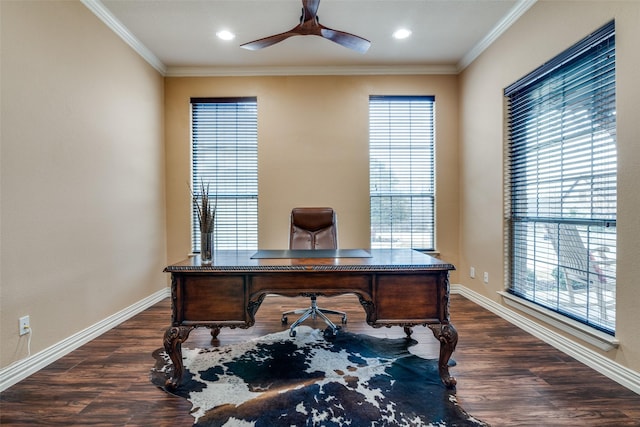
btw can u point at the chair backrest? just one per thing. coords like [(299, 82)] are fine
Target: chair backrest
[(572, 253), (313, 228)]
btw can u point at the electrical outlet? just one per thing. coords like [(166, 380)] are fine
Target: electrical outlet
[(486, 277), (25, 326), (472, 272)]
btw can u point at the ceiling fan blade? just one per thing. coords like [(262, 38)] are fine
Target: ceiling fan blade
[(347, 40), (310, 26), (268, 41)]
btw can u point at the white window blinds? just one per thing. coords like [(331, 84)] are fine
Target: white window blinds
[(225, 156), (401, 171), (562, 180)]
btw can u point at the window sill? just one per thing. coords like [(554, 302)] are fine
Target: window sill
[(590, 335)]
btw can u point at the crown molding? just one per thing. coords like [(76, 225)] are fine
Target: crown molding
[(310, 71), (514, 14), (117, 27)]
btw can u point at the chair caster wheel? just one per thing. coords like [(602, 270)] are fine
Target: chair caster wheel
[(284, 320), (344, 320), (292, 333), (330, 333)]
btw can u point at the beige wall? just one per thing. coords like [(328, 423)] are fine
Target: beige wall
[(547, 29), (82, 174), (82, 163), (313, 150)]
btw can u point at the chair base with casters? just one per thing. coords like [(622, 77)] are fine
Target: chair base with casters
[(313, 312)]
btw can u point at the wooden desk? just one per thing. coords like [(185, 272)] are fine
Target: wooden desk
[(397, 287)]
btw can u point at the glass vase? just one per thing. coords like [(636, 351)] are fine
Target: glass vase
[(206, 248)]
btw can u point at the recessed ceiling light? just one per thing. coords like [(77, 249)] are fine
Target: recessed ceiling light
[(402, 33), (225, 35)]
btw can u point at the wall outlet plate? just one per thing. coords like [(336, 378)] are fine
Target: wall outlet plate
[(25, 325)]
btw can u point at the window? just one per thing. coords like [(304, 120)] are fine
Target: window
[(225, 157), (562, 171), (401, 171)]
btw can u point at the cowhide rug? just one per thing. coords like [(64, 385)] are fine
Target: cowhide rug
[(352, 380)]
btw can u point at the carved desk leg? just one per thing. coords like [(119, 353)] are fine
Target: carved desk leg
[(448, 337), (408, 331), (173, 339), (253, 306)]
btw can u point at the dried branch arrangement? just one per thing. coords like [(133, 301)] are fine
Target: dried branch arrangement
[(206, 208)]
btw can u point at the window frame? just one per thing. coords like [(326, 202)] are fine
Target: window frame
[(402, 151), (551, 200), (224, 156)]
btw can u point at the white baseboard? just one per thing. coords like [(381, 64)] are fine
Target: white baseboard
[(607, 367), (21, 369)]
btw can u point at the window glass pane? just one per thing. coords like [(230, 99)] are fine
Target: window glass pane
[(562, 179), (401, 169), (225, 157)]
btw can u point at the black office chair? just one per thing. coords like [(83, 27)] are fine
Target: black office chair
[(313, 228)]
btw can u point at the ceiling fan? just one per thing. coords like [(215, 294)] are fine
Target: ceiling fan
[(310, 26)]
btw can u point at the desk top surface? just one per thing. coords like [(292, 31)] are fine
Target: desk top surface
[(376, 259)]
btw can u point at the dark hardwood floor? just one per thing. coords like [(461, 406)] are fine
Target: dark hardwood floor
[(505, 376)]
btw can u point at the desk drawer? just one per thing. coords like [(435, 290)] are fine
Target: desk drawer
[(325, 283), (411, 298), (212, 299)]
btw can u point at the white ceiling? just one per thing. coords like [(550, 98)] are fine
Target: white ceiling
[(178, 36)]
